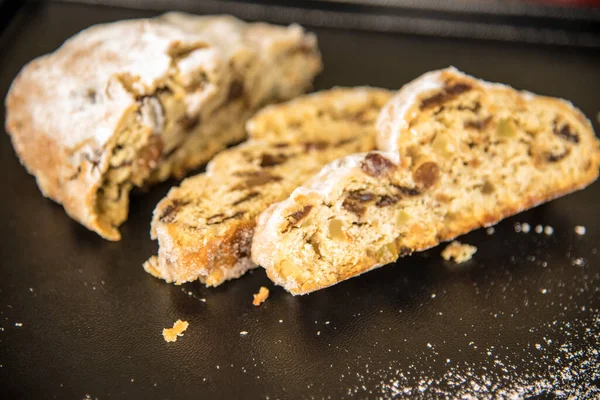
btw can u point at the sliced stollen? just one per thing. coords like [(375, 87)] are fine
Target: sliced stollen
[(205, 226), (462, 154), (130, 103)]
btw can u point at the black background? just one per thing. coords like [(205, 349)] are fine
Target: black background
[(521, 318)]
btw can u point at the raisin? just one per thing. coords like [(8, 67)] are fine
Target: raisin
[(91, 95), (445, 95), (474, 109), (170, 211), (236, 90), (75, 174), (360, 196), (214, 220), (318, 145), (386, 201), (151, 152), (362, 117), (189, 123), (552, 158), (270, 160), (406, 191), (249, 196), (457, 88), (478, 125), (344, 142), (242, 243), (353, 202), (297, 216), (438, 111), (565, 133), (257, 179), (353, 207), (432, 101), (377, 165), (427, 174)]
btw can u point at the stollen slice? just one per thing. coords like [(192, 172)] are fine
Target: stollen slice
[(131, 103), (460, 154), (204, 227)]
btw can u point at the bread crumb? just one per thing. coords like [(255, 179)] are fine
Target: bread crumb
[(548, 230), (261, 296), (525, 227), (490, 230), (243, 333), (458, 252), (171, 334), (580, 230), (18, 324)]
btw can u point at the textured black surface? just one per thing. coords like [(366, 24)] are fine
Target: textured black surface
[(522, 317)]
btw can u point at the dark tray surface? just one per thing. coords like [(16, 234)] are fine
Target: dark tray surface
[(521, 318)]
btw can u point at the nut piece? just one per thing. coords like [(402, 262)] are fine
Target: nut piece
[(261, 296), (458, 252), (171, 334), (387, 253), (443, 145), (335, 229), (402, 217), (506, 128)]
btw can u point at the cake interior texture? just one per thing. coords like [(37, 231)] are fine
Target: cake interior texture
[(461, 154), (205, 226)]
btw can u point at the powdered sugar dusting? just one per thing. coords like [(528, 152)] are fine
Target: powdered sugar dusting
[(545, 344), (568, 375), (392, 119), (562, 369)]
